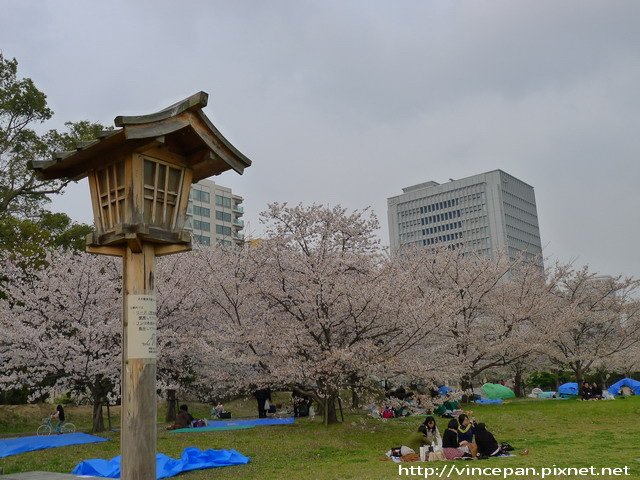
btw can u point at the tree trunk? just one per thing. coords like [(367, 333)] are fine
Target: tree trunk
[(518, 390), (329, 411), (98, 419), (355, 401), (603, 379), (171, 406), (577, 369), (465, 384)]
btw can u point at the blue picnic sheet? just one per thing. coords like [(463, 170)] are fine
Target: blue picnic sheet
[(192, 459), (14, 446), (256, 422), (211, 428), (489, 401), (221, 425)]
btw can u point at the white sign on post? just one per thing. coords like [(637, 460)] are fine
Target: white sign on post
[(141, 329)]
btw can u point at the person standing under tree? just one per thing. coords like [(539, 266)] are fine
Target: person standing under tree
[(262, 395)]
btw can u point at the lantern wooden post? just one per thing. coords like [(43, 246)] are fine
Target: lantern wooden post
[(139, 406), (140, 175)]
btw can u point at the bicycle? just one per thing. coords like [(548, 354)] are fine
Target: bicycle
[(46, 428)]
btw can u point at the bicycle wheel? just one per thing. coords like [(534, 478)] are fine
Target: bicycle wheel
[(44, 430), (68, 428)]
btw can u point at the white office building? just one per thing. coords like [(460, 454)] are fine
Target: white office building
[(213, 214), (484, 213)]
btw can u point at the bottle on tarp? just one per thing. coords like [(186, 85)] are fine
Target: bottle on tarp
[(423, 453)]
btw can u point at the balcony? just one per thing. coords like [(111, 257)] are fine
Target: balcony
[(238, 209), (238, 223)]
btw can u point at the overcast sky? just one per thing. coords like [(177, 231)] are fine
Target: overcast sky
[(349, 101)]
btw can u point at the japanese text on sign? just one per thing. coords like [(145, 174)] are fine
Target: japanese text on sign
[(141, 327)]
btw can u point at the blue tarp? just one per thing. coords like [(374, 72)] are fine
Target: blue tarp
[(443, 390), (14, 446), (212, 428), (220, 425), (192, 459), (634, 385), (569, 390), (256, 422), (489, 401)]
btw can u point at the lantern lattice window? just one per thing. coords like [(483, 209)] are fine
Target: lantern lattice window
[(162, 189), (111, 195)]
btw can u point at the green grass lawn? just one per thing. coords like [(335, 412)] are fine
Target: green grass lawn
[(564, 433)]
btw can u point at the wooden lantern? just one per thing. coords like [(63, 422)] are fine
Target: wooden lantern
[(140, 175)]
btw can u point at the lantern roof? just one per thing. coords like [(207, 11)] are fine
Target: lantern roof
[(182, 128)]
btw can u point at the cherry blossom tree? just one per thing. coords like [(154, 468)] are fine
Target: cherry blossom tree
[(61, 328), (625, 362), (235, 352), (596, 319), (181, 350), (489, 305), (334, 313)]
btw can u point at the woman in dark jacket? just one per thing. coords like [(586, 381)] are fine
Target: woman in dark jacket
[(450, 444), (450, 436), (487, 443)]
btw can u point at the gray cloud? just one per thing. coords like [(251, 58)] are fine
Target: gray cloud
[(347, 102)]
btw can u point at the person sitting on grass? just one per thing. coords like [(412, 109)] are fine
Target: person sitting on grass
[(585, 391), (486, 442), (596, 391), (59, 416), (217, 410), (450, 444), (432, 433), (466, 431), (183, 419)]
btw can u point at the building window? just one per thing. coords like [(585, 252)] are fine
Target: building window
[(223, 201), (203, 226), (202, 239), (223, 216), (222, 230), (200, 195), (201, 211)]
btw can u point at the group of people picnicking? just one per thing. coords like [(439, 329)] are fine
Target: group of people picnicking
[(302, 407), (463, 438), (590, 391)]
